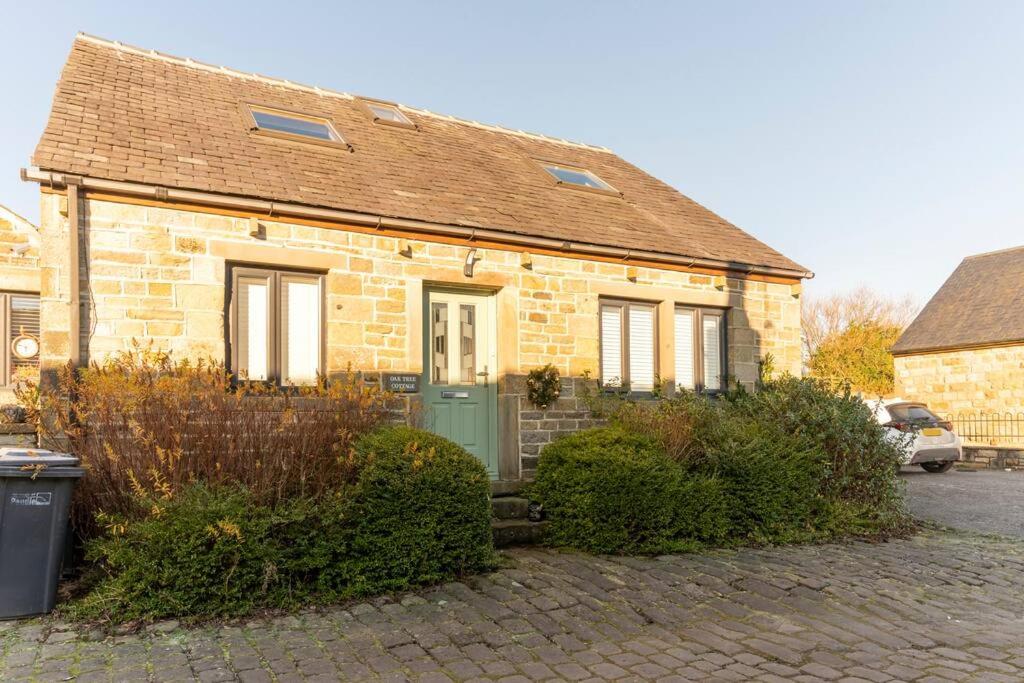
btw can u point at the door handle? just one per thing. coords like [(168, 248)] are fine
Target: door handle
[(484, 374)]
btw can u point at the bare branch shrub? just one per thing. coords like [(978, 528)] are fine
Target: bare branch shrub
[(146, 425)]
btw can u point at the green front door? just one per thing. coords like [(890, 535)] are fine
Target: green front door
[(460, 392)]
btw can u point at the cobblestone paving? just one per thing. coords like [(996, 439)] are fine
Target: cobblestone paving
[(939, 606)]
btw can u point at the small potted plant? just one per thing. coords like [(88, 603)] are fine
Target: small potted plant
[(543, 386)]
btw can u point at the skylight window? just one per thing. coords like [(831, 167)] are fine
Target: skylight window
[(577, 177), (385, 112), (294, 125)]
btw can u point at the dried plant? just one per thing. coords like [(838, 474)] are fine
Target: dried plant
[(146, 425)]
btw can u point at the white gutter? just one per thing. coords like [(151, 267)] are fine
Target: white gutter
[(272, 209)]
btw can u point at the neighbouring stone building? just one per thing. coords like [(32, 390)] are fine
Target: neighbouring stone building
[(291, 231), (964, 353), (19, 301)]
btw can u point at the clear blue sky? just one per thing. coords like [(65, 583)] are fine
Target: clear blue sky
[(874, 142)]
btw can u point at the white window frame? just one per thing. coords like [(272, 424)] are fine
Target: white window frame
[(623, 306), (335, 140), (277, 342), (699, 380)]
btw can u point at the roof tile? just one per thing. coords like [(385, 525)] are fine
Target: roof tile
[(125, 114)]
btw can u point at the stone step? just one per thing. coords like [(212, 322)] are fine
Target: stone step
[(505, 487), (508, 532), (509, 507)]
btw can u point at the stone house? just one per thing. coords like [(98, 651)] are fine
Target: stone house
[(19, 301), (291, 231), (964, 353)]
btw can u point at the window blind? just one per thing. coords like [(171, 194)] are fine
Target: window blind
[(684, 349), (641, 348), (712, 348), (611, 346), (301, 313), (253, 322)]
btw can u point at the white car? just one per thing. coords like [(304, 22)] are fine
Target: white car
[(934, 446)]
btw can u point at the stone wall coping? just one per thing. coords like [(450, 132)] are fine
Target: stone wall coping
[(17, 428)]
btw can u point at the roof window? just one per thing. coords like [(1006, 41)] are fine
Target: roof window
[(292, 125), (387, 113), (578, 177)]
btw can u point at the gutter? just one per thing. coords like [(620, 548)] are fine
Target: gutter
[(268, 208)]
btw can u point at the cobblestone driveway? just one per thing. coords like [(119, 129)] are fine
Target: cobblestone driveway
[(940, 606)]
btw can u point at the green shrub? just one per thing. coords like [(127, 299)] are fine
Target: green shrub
[(772, 480), (606, 490), (791, 462), (421, 510), (417, 514), (860, 463), (211, 552)]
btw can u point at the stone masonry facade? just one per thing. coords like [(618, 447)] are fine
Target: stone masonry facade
[(158, 273), (969, 381)]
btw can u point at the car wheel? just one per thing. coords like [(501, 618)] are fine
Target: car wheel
[(937, 467)]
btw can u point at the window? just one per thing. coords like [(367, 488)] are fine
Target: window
[(388, 113), (908, 412), (19, 324), (291, 125), (578, 177), (276, 328), (700, 348), (628, 345)]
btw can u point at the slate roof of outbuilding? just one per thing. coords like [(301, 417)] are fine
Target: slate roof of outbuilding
[(127, 114), (981, 304)]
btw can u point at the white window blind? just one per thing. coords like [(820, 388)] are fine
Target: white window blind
[(641, 348), (253, 321), (684, 349), (611, 346), (301, 313), (712, 350)]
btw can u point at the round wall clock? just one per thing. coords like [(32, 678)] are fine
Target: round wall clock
[(25, 347)]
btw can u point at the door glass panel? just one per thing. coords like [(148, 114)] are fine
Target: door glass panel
[(712, 352), (641, 348), (439, 343), (467, 350), (684, 349), (611, 346), (301, 313), (253, 319)]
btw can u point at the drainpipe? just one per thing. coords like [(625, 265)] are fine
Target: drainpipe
[(74, 275)]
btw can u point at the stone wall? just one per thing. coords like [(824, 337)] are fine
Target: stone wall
[(970, 381), (158, 273), (995, 457)]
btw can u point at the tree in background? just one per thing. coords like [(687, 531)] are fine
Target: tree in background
[(847, 338)]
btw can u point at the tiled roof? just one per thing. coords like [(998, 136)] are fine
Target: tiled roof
[(981, 303), (121, 113)]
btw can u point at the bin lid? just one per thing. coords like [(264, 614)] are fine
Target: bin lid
[(15, 456)]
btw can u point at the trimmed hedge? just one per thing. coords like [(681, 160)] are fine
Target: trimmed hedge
[(417, 514), (793, 462), (606, 490)]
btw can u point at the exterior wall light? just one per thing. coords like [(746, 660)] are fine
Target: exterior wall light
[(471, 259), (257, 229)]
